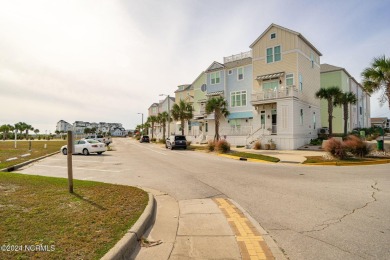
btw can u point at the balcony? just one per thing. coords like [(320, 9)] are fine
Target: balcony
[(272, 94), (239, 56)]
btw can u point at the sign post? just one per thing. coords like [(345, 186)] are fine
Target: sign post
[(69, 157)]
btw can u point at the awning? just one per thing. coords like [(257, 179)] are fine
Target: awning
[(215, 93), (270, 76), (237, 115)]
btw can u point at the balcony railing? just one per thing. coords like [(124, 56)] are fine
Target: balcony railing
[(239, 56), (279, 92)]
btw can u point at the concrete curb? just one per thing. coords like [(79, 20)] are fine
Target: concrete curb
[(384, 161), (276, 251), (125, 247), (17, 166)]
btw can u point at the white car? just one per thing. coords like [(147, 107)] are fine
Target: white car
[(86, 146)]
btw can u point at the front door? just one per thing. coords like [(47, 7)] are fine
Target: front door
[(274, 123)]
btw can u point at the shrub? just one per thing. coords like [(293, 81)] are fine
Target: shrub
[(317, 141), (189, 143), (153, 140), (356, 146), (222, 146), (336, 148), (257, 145), (137, 137), (211, 146)]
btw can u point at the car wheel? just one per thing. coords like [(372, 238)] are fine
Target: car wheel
[(85, 151), (99, 152), (64, 151)]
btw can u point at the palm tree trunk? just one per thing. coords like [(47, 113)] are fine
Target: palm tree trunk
[(182, 126), (152, 129), (388, 94), (345, 118), (216, 119), (330, 116), (164, 131)]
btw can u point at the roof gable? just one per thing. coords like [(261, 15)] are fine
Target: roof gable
[(215, 66), (288, 30)]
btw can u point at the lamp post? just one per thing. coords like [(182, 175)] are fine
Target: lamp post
[(142, 125), (169, 114)]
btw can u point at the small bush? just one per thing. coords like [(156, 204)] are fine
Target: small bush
[(137, 137), (317, 141), (257, 145), (356, 146), (336, 148), (222, 146), (153, 140), (189, 143), (211, 146)]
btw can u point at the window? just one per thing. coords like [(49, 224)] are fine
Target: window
[(289, 79), (230, 72), (267, 86), (312, 59), (300, 82), (273, 36), (361, 110), (206, 127), (270, 55), (215, 78), (203, 88), (240, 73), (274, 54), (301, 116), (238, 98)]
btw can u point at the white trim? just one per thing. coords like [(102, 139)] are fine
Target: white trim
[(239, 93)]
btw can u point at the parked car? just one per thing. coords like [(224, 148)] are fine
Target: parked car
[(103, 139), (176, 141), (144, 139), (85, 146)]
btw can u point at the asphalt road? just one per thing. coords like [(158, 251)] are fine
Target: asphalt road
[(312, 212)]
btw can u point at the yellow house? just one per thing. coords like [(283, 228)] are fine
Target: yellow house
[(286, 75), (186, 93)]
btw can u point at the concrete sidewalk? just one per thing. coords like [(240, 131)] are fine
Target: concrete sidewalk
[(205, 229)]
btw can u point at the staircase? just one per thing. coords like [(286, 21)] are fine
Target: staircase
[(254, 136)]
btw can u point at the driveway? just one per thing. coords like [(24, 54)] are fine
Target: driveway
[(312, 212)]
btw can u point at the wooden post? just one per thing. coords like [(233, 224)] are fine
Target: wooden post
[(69, 157)]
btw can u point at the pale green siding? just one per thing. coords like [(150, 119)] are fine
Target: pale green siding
[(334, 79), (198, 93)]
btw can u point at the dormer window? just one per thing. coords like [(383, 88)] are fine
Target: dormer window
[(273, 36)]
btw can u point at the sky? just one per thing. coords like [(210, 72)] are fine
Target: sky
[(107, 61)]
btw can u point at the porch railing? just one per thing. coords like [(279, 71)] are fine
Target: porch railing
[(239, 56), (236, 130), (279, 92)]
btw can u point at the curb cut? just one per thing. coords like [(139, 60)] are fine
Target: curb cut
[(17, 166), (276, 251), (124, 248)]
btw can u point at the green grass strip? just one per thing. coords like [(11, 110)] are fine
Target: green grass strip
[(255, 156)]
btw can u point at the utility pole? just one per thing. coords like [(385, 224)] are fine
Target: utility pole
[(69, 157)]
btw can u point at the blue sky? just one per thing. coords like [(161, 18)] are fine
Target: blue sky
[(109, 60)]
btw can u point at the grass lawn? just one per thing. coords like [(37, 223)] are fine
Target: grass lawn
[(7, 150), (255, 156), (37, 210)]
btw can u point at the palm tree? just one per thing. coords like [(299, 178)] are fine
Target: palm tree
[(21, 126), (343, 100), (5, 130), (36, 131), (87, 130), (377, 77), (329, 94), (27, 128), (182, 112), (163, 119), (146, 127), (219, 106), (152, 120)]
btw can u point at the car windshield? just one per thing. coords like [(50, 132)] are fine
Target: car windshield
[(180, 137), (92, 141)]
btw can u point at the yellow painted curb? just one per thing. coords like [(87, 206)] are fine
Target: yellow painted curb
[(350, 163), (238, 158)]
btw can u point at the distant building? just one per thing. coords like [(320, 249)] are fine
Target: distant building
[(380, 122), (63, 126)]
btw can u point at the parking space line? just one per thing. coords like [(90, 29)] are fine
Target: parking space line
[(64, 160), (78, 168)]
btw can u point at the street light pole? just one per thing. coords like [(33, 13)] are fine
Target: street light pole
[(142, 124)]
